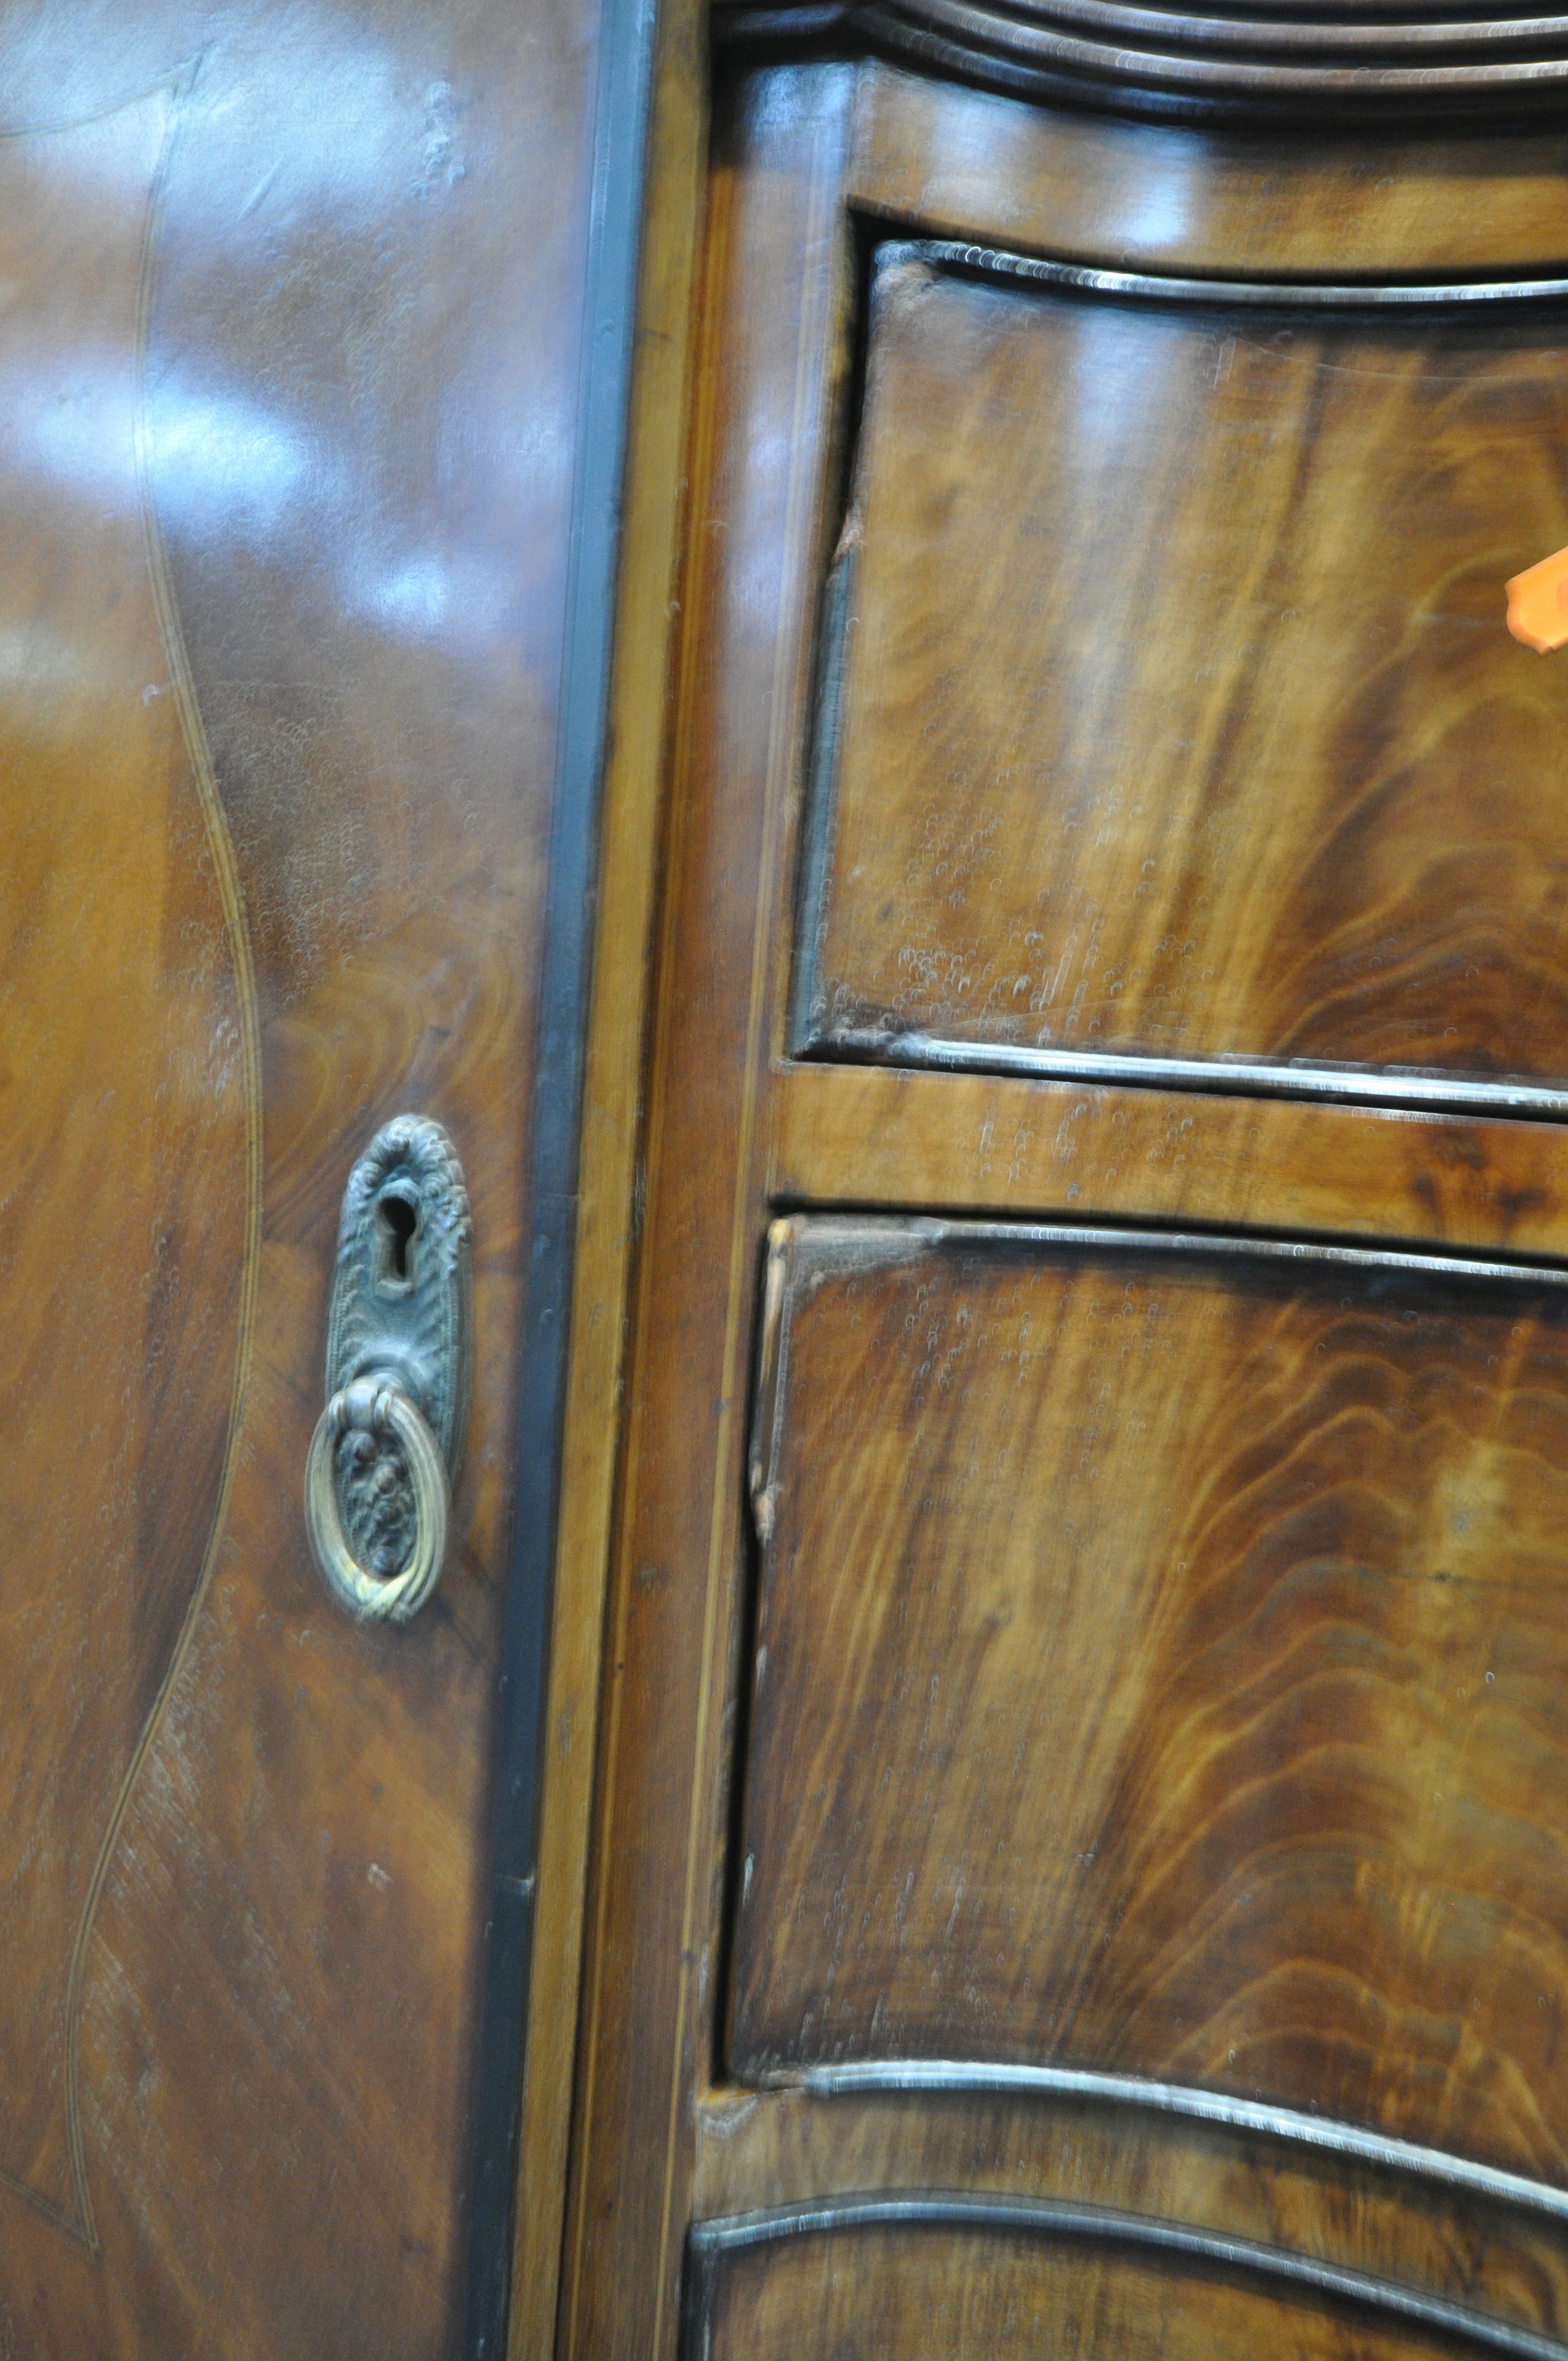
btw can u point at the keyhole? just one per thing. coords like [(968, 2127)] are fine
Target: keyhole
[(400, 1221)]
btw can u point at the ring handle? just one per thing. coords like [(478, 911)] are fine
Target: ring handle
[(376, 1408)]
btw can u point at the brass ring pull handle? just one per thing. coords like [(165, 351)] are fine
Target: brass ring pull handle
[(385, 1454), (367, 1413)]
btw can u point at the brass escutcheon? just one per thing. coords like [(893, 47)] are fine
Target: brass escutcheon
[(388, 1445)]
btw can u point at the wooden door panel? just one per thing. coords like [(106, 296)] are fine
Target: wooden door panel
[(1160, 1669), (1177, 718), (902, 2279), (127, 1244), (290, 330)]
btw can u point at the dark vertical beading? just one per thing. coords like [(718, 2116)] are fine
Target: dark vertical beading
[(615, 224)]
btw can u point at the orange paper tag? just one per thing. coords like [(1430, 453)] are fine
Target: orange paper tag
[(1538, 604)]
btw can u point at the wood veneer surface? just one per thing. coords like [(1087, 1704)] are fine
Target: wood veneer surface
[(1179, 716), (281, 635), (664, 2133), (962, 163), (871, 2292), (1159, 1671), (130, 1123), (895, 1136), (800, 2147)]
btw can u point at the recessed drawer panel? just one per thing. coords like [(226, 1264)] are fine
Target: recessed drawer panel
[(1161, 1670), (1169, 711)]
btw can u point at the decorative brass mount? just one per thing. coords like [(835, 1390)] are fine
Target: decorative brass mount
[(388, 1445)]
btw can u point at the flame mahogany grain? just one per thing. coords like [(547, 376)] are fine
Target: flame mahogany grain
[(977, 2290), (1178, 716), (1292, 1901), (1170, 1682)]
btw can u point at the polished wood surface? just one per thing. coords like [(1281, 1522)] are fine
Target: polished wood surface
[(796, 2147), (737, 1132), (890, 1137), (286, 405), (870, 2291), (1152, 196), (1200, 1614), (1178, 714), (132, 1111)]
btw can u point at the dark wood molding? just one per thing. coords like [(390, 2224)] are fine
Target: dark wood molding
[(1279, 62), (626, 35)]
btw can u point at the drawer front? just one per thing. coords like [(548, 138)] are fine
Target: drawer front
[(1171, 725), (1161, 1670)]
